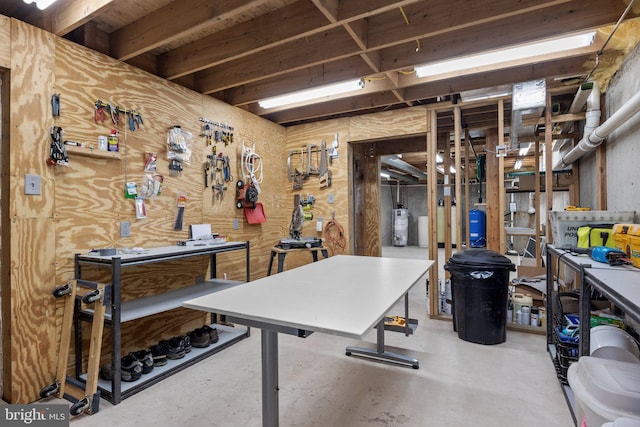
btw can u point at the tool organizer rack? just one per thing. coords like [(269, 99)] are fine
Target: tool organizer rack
[(120, 312)]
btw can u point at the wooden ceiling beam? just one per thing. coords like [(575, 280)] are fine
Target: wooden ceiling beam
[(292, 22), (349, 68), (69, 15), (169, 23), (296, 55), (289, 23)]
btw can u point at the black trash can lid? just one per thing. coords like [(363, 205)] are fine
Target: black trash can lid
[(473, 259)]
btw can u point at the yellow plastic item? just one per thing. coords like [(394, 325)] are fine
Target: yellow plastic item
[(576, 208), (395, 321)]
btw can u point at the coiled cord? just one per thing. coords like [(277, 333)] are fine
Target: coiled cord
[(334, 237)]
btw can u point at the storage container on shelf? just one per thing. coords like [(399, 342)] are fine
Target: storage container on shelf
[(610, 342), (604, 390)]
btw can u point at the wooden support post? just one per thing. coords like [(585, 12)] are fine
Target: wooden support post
[(432, 196), (444, 141), (467, 199), (536, 146), (548, 176), (495, 212), (458, 176), (502, 196)]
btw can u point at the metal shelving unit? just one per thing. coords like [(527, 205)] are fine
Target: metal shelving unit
[(120, 312), (617, 283)]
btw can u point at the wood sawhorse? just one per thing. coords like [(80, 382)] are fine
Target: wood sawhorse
[(282, 253)]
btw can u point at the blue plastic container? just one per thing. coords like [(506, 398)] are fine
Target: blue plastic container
[(477, 228)]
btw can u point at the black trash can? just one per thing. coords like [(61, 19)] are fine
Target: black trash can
[(480, 292)]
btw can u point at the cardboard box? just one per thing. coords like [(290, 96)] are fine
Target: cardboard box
[(531, 271)]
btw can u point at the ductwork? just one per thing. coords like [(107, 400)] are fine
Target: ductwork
[(594, 135)]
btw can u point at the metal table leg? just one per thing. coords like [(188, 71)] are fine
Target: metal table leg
[(380, 353), (270, 386)]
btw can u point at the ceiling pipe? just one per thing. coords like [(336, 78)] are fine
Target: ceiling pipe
[(593, 139)]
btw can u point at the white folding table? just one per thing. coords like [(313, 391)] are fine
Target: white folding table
[(342, 295)]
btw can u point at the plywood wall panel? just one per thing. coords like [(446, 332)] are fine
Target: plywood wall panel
[(34, 337), (5, 42), (83, 204), (387, 124), (31, 322), (315, 133)]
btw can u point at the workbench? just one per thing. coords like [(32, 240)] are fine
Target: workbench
[(343, 295), (282, 253)]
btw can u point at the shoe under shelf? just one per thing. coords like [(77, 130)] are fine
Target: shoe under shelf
[(227, 336), (154, 304)]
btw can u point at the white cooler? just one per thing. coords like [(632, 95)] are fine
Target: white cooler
[(605, 390)]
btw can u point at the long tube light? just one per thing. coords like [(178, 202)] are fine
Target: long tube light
[(506, 55), (312, 94), (41, 4)]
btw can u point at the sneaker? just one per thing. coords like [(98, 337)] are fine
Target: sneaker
[(213, 333), (182, 341), (174, 348), (199, 338), (159, 354), (146, 358), (130, 369)]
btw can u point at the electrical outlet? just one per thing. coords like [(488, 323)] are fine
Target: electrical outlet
[(235, 224), (31, 184), (331, 198), (125, 229)]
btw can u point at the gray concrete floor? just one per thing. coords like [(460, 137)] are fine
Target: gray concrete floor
[(458, 383)]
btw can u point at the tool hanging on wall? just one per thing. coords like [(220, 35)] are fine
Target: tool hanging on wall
[(134, 119), (325, 174), (179, 142), (215, 132), (57, 153), (55, 105), (220, 175)]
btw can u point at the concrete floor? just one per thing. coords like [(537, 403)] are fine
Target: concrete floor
[(458, 383)]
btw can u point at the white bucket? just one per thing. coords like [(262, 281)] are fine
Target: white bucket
[(609, 342)]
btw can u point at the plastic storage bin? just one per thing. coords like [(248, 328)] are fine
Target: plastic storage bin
[(480, 292), (605, 390)]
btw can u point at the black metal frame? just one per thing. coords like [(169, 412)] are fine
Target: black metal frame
[(116, 264)]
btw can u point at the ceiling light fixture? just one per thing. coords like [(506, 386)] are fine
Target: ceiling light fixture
[(312, 94), (385, 175), (506, 55), (41, 4)]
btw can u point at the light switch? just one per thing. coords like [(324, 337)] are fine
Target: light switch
[(31, 184)]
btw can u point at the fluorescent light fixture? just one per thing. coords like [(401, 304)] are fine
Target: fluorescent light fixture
[(518, 164), (524, 149), (41, 4), (385, 175), (312, 94), (506, 55)]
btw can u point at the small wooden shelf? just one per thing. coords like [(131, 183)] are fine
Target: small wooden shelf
[(92, 152)]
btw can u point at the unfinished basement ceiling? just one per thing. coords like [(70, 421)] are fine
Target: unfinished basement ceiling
[(242, 51)]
